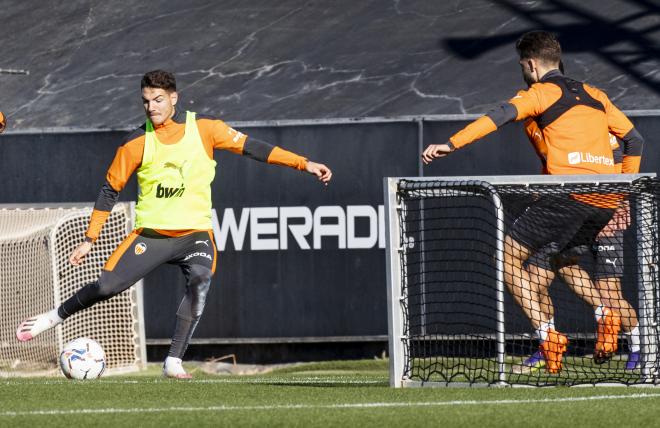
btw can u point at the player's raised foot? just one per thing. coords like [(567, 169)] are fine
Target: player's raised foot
[(553, 349), (172, 368), (36, 325), (609, 326), (634, 361), (533, 363)]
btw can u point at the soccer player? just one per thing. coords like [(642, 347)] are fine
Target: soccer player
[(3, 122), (574, 119), (608, 253), (173, 156)]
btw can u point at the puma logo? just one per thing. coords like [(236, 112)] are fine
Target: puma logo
[(202, 242), (613, 262), (174, 166)]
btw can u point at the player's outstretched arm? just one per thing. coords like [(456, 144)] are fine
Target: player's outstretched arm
[(435, 151), (78, 255), (127, 159), (525, 104), (323, 173)]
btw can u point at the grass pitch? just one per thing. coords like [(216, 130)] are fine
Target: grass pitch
[(343, 394)]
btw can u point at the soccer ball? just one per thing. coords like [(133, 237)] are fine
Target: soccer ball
[(82, 359)]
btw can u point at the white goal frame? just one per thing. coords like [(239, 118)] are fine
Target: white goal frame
[(394, 273), (71, 212)]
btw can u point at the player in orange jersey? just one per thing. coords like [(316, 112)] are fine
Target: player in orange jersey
[(607, 252), (3, 122), (575, 120), (172, 154)]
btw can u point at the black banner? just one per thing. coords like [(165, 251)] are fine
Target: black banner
[(298, 258)]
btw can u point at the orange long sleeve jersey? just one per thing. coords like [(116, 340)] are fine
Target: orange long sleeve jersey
[(215, 134), (574, 119), (535, 137)]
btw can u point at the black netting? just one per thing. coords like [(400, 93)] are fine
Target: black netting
[(568, 255)]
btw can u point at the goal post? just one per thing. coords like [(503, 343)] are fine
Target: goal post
[(35, 244), (451, 319)]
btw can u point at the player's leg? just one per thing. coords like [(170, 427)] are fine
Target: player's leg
[(609, 273), (518, 282), (546, 224), (541, 276), (579, 281), (608, 320), (553, 344), (196, 257), (136, 256), (611, 287)]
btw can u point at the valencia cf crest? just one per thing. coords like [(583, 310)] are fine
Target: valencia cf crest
[(140, 248)]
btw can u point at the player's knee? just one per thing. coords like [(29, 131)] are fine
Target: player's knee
[(200, 278), (199, 282), (109, 285), (514, 250)]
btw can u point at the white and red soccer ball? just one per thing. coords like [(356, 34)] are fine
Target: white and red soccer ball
[(82, 359)]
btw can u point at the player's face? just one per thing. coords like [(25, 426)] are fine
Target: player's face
[(528, 67), (158, 104)]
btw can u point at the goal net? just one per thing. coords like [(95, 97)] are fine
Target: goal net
[(35, 273), (485, 274)]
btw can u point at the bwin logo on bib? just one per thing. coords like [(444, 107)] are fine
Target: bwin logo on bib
[(169, 192)]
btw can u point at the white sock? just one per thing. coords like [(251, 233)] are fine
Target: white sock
[(600, 312), (633, 339), (54, 317), (542, 331)]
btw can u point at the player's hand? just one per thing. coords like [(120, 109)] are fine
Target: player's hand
[(79, 253), (435, 151), (321, 171)]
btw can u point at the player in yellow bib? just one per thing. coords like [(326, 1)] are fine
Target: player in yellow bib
[(173, 156)]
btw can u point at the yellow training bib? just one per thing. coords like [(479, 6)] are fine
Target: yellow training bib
[(175, 182)]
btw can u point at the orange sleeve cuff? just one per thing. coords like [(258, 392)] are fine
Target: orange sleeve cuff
[(631, 164), (279, 156), (96, 223), (474, 131)]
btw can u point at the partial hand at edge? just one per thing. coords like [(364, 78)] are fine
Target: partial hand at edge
[(78, 255), (435, 151), (321, 171)]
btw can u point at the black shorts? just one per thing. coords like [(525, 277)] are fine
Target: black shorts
[(558, 225), (608, 251), (547, 258), (145, 249)]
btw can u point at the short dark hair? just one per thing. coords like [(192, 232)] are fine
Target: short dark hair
[(540, 45), (159, 79)]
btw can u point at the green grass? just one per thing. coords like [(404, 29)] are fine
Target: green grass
[(346, 394), (576, 371)]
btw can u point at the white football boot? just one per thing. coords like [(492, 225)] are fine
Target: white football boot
[(172, 368), (31, 327)]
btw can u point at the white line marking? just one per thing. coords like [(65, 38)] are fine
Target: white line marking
[(270, 380), (327, 406)]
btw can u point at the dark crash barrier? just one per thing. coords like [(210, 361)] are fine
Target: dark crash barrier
[(297, 260)]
